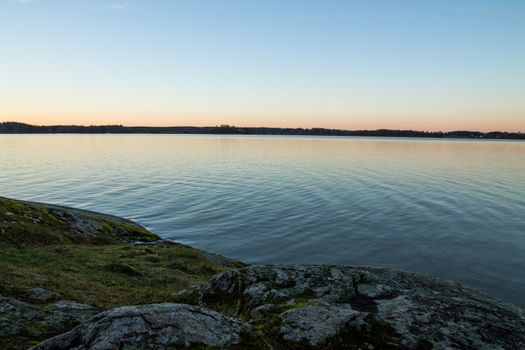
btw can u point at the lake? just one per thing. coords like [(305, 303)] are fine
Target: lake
[(450, 208)]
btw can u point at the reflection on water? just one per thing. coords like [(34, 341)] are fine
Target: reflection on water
[(450, 208)]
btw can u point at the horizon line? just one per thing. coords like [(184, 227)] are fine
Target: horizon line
[(225, 126)]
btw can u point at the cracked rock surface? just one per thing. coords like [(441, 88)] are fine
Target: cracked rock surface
[(20, 320), (287, 307), (158, 326), (341, 305)]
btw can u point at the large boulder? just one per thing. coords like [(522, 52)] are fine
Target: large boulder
[(157, 326), (364, 307)]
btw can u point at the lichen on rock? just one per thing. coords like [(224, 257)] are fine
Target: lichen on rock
[(350, 305)]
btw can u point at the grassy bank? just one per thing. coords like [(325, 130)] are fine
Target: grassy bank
[(93, 258)]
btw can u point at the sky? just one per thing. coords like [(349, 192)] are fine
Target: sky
[(367, 64)]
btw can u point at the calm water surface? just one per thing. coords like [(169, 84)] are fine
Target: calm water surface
[(454, 209)]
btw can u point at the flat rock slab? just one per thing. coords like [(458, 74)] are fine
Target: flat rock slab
[(316, 323), (334, 306), (157, 326)]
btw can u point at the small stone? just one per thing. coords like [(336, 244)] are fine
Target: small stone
[(41, 295), (261, 312), (318, 302)]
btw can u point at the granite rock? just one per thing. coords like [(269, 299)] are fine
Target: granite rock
[(347, 303), (156, 326)]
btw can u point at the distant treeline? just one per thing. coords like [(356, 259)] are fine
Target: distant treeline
[(21, 128)]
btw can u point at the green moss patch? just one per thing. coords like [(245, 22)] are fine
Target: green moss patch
[(139, 233), (104, 275), (31, 224)]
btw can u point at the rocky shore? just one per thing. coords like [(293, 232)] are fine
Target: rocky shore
[(73, 279)]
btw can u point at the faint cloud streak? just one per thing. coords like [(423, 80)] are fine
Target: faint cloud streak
[(119, 6)]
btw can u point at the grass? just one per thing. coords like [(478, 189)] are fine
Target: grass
[(104, 275), (39, 248)]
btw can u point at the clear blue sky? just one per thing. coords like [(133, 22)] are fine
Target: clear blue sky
[(449, 64)]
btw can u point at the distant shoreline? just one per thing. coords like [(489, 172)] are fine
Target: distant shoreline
[(21, 128)]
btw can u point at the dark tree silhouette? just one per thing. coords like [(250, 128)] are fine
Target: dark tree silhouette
[(21, 128)]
